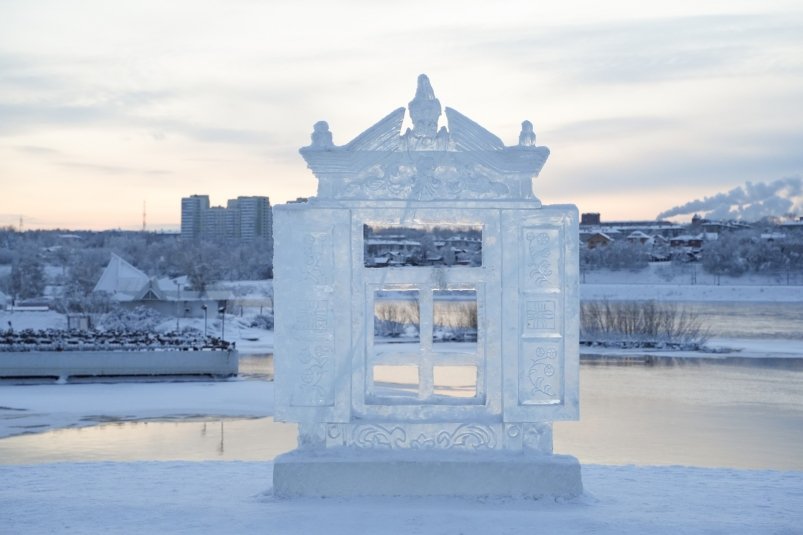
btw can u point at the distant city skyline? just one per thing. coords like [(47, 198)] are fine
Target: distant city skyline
[(646, 107)]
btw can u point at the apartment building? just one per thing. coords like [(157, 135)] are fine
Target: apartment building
[(247, 218)]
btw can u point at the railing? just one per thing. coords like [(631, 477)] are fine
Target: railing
[(60, 340)]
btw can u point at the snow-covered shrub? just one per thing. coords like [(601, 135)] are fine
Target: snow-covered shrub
[(263, 321), (392, 319), (131, 319), (641, 324), (618, 255)]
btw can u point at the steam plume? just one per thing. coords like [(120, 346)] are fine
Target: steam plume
[(750, 202)]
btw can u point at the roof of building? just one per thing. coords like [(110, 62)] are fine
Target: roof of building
[(121, 280), (637, 234), (687, 237)]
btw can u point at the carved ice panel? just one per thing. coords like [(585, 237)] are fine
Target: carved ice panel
[(540, 373), (542, 258)]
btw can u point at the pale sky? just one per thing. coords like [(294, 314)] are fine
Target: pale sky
[(105, 105)]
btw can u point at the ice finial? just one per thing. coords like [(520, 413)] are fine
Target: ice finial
[(424, 109), (527, 135), (321, 136)]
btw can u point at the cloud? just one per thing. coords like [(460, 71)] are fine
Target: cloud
[(606, 128), (37, 151), (652, 50), (112, 169), (22, 117)]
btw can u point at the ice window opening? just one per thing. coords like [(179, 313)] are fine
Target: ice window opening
[(454, 320), (419, 246), (395, 381), (454, 381), (396, 320)]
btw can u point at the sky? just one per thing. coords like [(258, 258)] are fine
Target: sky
[(110, 107)]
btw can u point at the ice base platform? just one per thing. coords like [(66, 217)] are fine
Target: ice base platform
[(344, 472)]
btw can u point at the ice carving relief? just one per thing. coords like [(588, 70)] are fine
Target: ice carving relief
[(540, 315), (467, 437), (317, 267), (421, 178), (540, 379), (315, 387), (543, 257)]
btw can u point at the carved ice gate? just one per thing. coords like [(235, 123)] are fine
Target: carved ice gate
[(425, 300)]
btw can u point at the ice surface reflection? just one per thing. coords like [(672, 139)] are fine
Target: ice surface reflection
[(708, 415), (195, 440)]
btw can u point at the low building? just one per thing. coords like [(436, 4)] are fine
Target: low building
[(639, 237), (598, 239), (689, 241), (130, 287)]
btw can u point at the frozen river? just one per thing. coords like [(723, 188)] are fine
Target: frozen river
[(751, 320)]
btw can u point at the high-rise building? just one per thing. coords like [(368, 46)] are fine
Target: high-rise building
[(193, 209), (256, 220), (246, 218), (214, 223)]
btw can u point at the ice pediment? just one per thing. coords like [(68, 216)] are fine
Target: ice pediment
[(463, 161)]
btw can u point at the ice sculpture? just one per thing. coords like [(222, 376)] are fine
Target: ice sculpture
[(441, 374)]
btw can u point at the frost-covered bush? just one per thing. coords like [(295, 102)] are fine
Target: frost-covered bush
[(736, 253), (393, 319), (616, 256), (131, 319), (641, 324), (263, 321)]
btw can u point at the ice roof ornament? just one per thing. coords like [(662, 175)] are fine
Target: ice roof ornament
[(462, 162)]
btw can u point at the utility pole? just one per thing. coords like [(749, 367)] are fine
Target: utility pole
[(144, 218)]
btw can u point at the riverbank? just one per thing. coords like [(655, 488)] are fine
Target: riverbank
[(716, 349)]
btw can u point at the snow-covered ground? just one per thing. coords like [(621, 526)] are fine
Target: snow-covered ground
[(619, 291), (235, 497), (663, 282)]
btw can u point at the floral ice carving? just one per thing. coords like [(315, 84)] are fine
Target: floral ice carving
[(471, 437), (541, 370), (539, 262)]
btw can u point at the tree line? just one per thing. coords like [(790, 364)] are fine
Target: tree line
[(732, 253), (75, 260)]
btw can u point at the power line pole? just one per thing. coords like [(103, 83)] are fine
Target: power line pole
[(144, 217)]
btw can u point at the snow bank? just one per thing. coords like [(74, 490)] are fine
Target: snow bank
[(236, 497), (664, 282), (690, 292)]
